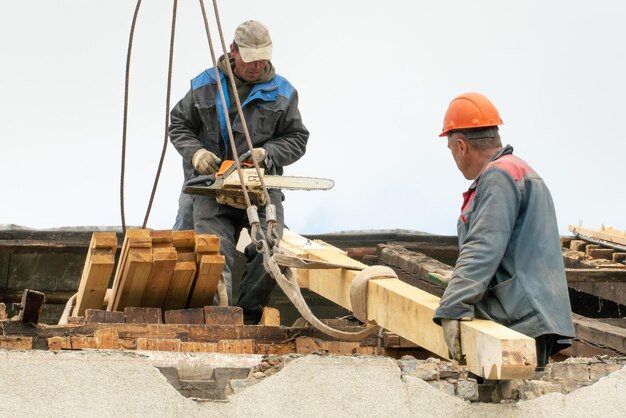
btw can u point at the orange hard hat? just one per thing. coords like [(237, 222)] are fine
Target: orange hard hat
[(468, 111)]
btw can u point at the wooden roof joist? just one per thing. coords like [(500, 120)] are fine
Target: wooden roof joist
[(492, 350)]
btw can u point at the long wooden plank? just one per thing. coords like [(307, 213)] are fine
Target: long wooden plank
[(135, 273), (134, 238), (164, 263), (96, 272), (492, 350), (209, 275), (182, 279), (608, 234)]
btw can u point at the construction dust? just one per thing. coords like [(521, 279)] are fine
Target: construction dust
[(114, 384)]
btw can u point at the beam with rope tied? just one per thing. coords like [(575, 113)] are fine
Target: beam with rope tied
[(491, 350)]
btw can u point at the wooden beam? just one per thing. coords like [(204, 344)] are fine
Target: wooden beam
[(96, 272), (209, 274), (492, 350), (607, 234), (599, 333)]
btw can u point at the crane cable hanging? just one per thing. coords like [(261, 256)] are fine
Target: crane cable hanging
[(167, 114)]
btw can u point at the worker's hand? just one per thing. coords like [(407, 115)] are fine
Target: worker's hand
[(440, 275), (259, 153), (205, 162), (452, 336)]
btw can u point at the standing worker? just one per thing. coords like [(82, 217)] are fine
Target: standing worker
[(510, 266), (198, 131)]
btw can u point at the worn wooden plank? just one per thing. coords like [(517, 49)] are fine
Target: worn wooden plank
[(102, 317), (223, 315), (205, 284), (618, 257), (492, 350), (185, 316), (602, 253), (97, 272), (308, 345), (607, 234), (600, 333), (31, 305), (3, 311), (595, 275), (139, 315)]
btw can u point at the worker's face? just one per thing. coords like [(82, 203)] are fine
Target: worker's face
[(249, 71), (459, 149)]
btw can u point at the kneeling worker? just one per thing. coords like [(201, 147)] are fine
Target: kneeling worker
[(510, 266)]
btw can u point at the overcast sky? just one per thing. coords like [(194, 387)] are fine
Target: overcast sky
[(374, 80)]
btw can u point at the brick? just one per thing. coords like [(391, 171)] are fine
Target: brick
[(218, 315), (443, 386), (159, 344), (307, 345), (236, 346), (427, 372), (79, 343), (270, 317), (16, 343), (532, 389), (134, 315), (59, 343), (196, 347), (185, 316), (101, 316), (277, 349), (467, 389), (578, 372), (599, 370)]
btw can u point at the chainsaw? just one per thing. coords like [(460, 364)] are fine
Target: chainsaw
[(226, 186)]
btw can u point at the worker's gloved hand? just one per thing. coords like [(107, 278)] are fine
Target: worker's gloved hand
[(205, 162), (442, 276), (259, 153), (452, 336)]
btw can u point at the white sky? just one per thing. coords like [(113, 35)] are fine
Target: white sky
[(374, 80)]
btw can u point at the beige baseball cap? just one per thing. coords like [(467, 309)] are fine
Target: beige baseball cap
[(253, 40)]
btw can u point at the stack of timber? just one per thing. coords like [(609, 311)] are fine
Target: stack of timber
[(156, 269), (492, 350), (595, 265)]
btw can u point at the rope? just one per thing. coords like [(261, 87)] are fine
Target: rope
[(358, 288), (290, 287), (167, 114), (125, 122), (231, 138), (240, 113)]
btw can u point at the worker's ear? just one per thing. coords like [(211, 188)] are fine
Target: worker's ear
[(232, 49), (463, 146)]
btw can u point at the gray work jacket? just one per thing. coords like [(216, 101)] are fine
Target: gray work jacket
[(510, 265), (271, 114)]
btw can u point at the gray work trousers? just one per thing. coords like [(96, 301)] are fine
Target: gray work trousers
[(210, 217)]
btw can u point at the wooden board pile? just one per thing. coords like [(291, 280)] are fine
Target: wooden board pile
[(156, 269)]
